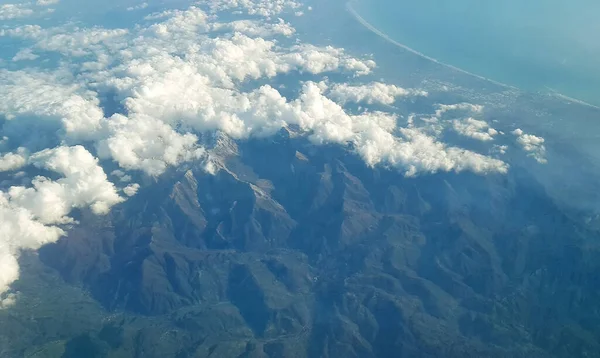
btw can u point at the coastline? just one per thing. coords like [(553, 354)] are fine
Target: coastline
[(387, 38), (384, 36), (554, 93)]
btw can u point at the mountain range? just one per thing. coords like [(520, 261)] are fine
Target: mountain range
[(283, 249)]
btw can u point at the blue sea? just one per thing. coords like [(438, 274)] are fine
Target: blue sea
[(535, 45)]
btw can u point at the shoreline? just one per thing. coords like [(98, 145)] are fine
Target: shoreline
[(387, 38), (555, 93), (384, 36)]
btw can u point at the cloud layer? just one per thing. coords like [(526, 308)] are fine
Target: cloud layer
[(25, 10), (141, 97)]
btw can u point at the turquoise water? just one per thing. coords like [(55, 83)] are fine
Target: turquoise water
[(535, 45)]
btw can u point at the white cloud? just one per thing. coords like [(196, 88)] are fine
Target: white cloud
[(144, 143), (473, 128), (54, 97), (372, 136), (131, 189), (24, 32), (24, 10), (254, 29), (180, 24), (532, 144), (424, 154), (19, 231), (25, 55), (70, 41), (374, 92), (84, 184), (8, 299), (29, 215), (46, 2), (500, 149), (138, 7), (124, 178), (468, 107), (173, 74), (13, 161), (14, 11), (266, 8), (79, 42)]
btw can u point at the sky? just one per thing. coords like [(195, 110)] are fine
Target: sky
[(94, 97)]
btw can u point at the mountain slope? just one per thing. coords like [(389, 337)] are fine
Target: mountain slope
[(289, 251)]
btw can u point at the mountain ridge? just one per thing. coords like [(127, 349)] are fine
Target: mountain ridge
[(288, 251)]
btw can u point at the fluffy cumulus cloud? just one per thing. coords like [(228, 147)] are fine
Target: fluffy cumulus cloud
[(532, 144), (14, 11), (84, 184), (131, 189), (431, 156), (375, 92), (266, 8), (77, 42), (138, 7), (25, 9), (142, 97), (47, 2), (25, 31), (31, 216), (20, 231), (459, 107), (473, 128), (13, 161), (251, 28), (53, 97), (25, 55), (145, 143)]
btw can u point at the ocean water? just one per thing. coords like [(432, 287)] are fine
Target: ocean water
[(536, 45)]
